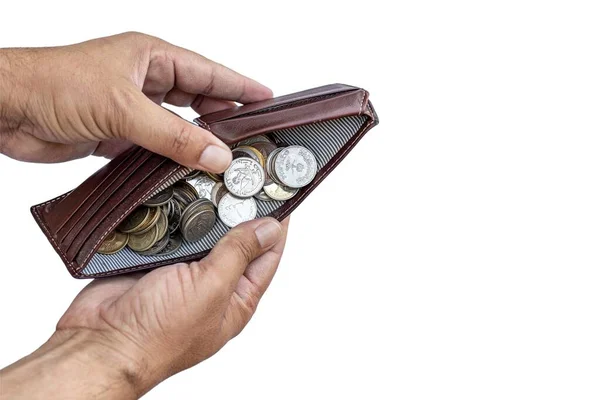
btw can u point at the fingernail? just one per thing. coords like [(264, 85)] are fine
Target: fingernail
[(215, 158), (268, 233)]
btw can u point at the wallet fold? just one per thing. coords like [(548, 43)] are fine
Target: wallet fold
[(329, 120)]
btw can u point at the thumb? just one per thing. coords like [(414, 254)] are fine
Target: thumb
[(161, 131)]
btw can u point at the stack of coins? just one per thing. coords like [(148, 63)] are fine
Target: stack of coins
[(260, 170)]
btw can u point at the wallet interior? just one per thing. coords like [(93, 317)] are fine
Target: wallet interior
[(324, 139), (329, 121)]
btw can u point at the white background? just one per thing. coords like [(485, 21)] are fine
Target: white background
[(453, 254)]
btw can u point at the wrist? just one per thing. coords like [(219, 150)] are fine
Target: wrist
[(79, 364)]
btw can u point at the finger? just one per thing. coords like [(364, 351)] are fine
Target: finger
[(25, 147), (200, 103), (151, 126), (197, 74), (222, 268), (252, 286)]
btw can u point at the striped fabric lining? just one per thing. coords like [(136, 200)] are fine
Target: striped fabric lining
[(324, 138)]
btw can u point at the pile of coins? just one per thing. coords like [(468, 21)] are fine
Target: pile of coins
[(260, 170)]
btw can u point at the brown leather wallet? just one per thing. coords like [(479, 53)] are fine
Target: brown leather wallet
[(328, 120)]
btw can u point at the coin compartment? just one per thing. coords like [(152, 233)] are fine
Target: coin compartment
[(325, 139), (329, 121)]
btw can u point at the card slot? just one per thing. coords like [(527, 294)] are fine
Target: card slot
[(126, 171), (126, 184), (96, 190), (163, 176), (64, 210)]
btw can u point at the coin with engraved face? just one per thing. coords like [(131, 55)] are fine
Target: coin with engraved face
[(203, 186), (162, 225), (278, 192), (192, 174), (134, 221), (160, 198), (144, 241), (114, 242), (295, 166), (245, 177), (153, 217), (234, 210)]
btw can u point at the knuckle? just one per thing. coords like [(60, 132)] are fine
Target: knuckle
[(243, 248), (181, 139), (119, 117)]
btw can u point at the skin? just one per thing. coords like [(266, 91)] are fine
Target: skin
[(122, 336)]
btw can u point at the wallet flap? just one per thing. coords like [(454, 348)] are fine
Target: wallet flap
[(321, 104)]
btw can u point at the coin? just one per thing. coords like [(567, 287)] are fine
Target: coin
[(153, 217), (184, 193), (245, 177), (250, 152), (173, 244), (134, 220), (218, 191), (157, 247), (234, 210), (215, 177), (160, 198), (262, 196), (197, 220), (162, 225), (203, 186), (278, 192), (192, 174), (144, 241), (254, 139), (174, 217), (113, 243), (295, 166), (265, 148), (270, 168)]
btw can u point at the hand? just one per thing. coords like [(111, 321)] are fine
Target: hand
[(98, 97), (122, 336)]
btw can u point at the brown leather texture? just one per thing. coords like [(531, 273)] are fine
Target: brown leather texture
[(77, 222)]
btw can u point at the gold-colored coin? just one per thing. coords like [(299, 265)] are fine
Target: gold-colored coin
[(150, 221), (114, 242), (144, 241), (162, 225), (135, 220)]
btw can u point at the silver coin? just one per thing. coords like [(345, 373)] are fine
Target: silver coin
[(270, 167), (174, 217), (160, 198), (278, 192), (295, 166), (203, 186), (218, 191), (262, 196), (197, 220), (173, 244), (234, 210), (245, 177)]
